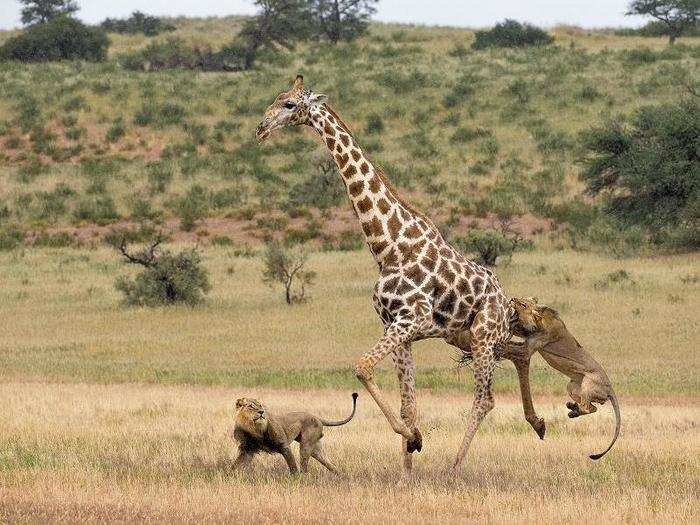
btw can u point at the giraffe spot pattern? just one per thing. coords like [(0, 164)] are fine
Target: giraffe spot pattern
[(356, 188)]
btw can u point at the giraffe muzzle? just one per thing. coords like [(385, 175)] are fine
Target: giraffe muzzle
[(262, 132)]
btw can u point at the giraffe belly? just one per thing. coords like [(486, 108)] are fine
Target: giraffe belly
[(444, 304)]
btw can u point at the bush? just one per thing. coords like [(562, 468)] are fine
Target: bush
[(511, 34), (191, 207), (55, 240), (62, 38), (10, 238), (320, 190), (137, 23), (648, 173), (175, 53), (100, 210), (168, 278), (489, 245), (375, 124)]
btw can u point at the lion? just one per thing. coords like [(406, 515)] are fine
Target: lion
[(546, 333), (257, 430)]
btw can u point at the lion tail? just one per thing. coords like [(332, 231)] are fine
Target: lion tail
[(343, 421), (616, 407)]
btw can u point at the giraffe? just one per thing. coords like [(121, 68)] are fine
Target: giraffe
[(426, 288)]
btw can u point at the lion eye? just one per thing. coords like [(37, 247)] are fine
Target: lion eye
[(290, 105)]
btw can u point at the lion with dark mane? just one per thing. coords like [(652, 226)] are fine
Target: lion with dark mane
[(256, 430)]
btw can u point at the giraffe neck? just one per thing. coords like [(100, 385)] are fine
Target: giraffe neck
[(395, 232)]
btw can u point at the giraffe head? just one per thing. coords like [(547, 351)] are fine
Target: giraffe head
[(290, 108)]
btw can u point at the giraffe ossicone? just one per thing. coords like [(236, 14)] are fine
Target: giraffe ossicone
[(425, 289)]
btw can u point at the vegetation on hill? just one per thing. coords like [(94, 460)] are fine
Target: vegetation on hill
[(511, 33), (471, 135)]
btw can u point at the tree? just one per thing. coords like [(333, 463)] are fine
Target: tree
[(61, 38), (677, 15), (287, 268), (338, 20), (280, 23), (648, 172), (42, 11)]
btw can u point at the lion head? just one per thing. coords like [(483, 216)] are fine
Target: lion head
[(251, 416), (531, 317)]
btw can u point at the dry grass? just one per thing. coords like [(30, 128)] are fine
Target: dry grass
[(65, 323), (156, 453)]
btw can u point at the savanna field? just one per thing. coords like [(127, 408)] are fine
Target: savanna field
[(115, 413)]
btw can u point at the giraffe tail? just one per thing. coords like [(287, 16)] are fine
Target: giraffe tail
[(613, 399), (326, 423)]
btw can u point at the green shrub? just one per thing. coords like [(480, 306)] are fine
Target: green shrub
[(159, 175), (10, 238), (511, 34), (100, 210), (62, 38), (116, 130), (462, 134), (322, 189), (142, 210), (375, 124), (168, 278), (175, 53), (648, 172), (519, 89), (488, 245), (51, 205), (191, 207), (55, 240), (165, 114)]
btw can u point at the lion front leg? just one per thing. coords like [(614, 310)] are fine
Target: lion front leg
[(244, 461), (290, 459)]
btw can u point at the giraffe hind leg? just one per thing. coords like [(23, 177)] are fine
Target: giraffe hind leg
[(484, 362), (405, 370)]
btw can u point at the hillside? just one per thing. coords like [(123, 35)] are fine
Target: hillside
[(464, 133)]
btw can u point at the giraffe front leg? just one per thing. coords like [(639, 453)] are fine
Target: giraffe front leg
[(405, 370), (394, 339)]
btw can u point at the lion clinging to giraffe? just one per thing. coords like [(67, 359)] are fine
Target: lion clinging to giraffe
[(425, 289)]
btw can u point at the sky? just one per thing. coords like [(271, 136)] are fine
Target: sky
[(464, 13)]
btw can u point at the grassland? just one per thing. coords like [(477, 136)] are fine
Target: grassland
[(157, 453), (65, 323), (123, 414)]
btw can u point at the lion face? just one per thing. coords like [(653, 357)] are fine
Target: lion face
[(528, 316), (251, 416)]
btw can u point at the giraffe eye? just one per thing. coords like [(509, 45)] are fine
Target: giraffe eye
[(290, 105)]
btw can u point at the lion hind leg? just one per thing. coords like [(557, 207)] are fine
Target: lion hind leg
[(320, 456)]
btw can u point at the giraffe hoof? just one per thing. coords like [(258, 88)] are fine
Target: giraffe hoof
[(571, 405), (573, 414), (540, 428), (415, 444)]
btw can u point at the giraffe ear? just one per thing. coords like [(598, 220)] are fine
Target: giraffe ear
[(317, 98), (298, 82)]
